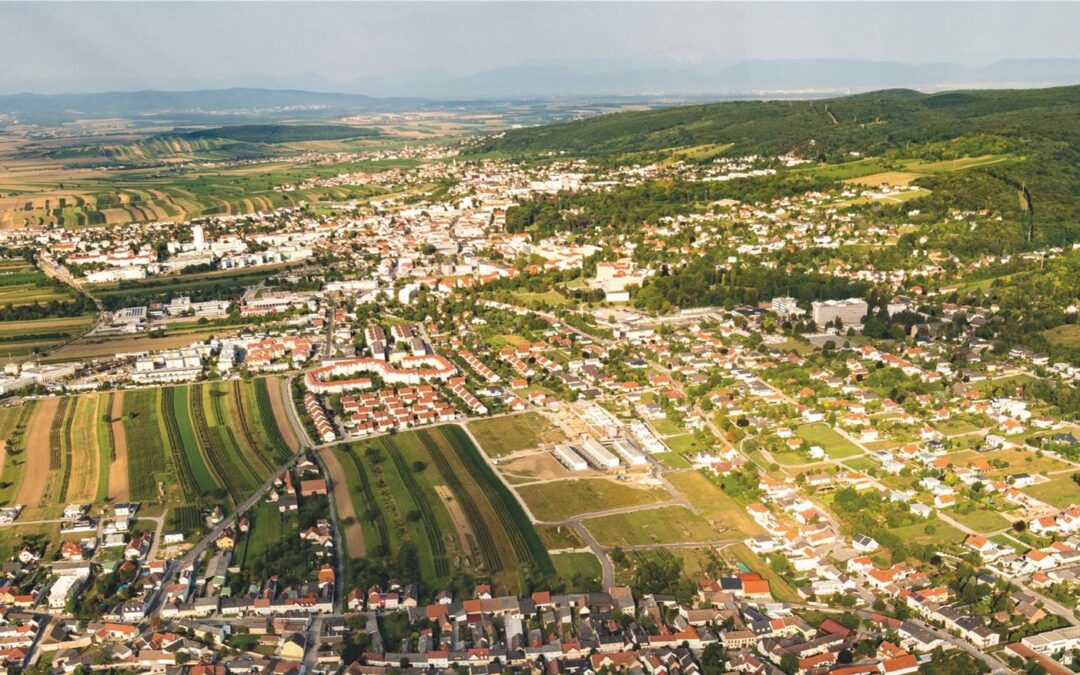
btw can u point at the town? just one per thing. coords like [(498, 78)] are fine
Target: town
[(544, 416)]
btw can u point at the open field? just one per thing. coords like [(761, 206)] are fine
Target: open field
[(720, 510), (432, 488), (1067, 335), (1060, 491), (885, 178), (505, 435), (835, 445), (557, 537), (351, 529), (22, 283), (84, 459), (662, 525), (578, 570), (145, 443), (118, 470), (1016, 460), (559, 500), (931, 531), (982, 520)]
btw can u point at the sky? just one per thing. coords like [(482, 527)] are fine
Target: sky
[(51, 47)]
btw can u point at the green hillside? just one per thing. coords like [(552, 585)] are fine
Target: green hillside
[(1034, 135)]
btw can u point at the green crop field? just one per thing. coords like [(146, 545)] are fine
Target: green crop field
[(982, 520), (236, 468), (146, 443), (432, 488), (16, 423)]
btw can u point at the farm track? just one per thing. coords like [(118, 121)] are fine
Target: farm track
[(378, 519), (488, 551), (249, 438), (427, 517), (176, 445)]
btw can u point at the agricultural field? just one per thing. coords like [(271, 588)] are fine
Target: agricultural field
[(431, 488), (22, 283), (34, 336), (139, 445), (58, 189), (563, 499), (501, 436), (578, 571), (225, 435), (14, 427)]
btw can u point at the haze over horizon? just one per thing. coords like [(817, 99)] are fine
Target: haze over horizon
[(515, 49)]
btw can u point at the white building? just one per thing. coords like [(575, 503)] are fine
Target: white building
[(851, 312), (569, 458), (598, 455)]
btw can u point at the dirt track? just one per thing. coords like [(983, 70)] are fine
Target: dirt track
[(118, 470), (343, 504), (36, 476)]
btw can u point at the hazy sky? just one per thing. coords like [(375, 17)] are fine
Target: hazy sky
[(55, 46)]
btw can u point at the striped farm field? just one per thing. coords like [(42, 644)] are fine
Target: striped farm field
[(238, 472), (433, 489), (193, 476), (272, 406)]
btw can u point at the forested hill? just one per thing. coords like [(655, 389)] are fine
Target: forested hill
[(1034, 133), (869, 123)]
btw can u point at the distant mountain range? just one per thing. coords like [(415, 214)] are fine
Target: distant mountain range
[(311, 96), (753, 78)]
